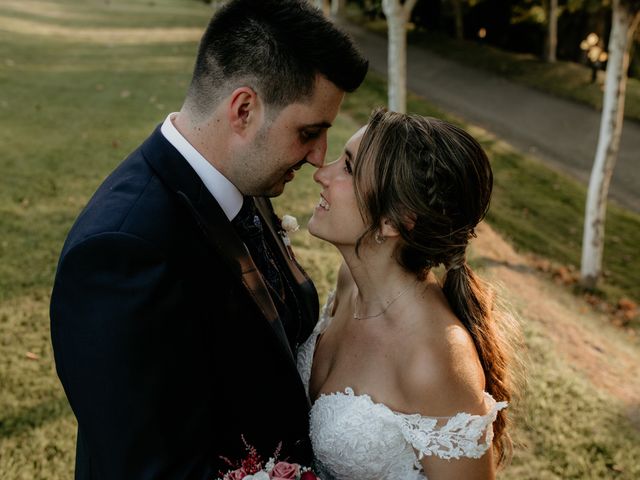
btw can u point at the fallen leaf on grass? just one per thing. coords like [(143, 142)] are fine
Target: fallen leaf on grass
[(627, 305)]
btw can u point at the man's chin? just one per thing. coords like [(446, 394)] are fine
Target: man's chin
[(274, 191)]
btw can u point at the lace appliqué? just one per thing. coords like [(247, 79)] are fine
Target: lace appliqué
[(304, 360), (463, 435)]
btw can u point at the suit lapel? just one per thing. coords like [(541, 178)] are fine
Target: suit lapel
[(303, 283), (267, 214), (176, 173)]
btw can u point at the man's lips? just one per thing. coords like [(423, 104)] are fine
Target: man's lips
[(289, 175)]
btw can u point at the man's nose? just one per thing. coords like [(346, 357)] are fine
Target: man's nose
[(316, 156)]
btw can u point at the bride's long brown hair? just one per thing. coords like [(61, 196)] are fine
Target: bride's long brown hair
[(433, 182)]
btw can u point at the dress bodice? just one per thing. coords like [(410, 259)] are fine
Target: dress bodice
[(356, 438)]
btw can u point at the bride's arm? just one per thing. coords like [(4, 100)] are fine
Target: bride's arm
[(468, 468), (455, 396), (439, 383)]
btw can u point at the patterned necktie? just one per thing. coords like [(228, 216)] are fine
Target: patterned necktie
[(249, 227)]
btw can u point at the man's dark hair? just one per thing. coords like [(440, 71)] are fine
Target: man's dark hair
[(277, 47)]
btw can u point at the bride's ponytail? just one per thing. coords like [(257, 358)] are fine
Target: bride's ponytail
[(472, 302)]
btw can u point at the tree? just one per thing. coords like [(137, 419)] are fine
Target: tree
[(626, 17), (458, 17), (551, 41), (337, 6), (398, 13), (324, 5)]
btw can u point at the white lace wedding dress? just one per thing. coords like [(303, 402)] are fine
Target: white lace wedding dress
[(355, 438)]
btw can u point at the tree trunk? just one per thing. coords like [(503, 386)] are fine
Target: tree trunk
[(337, 7), (623, 25), (323, 5), (551, 44), (216, 4), (398, 15), (457, 13)]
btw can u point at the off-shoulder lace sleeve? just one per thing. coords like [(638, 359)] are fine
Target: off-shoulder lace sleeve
[(306, 350), (463, 435)]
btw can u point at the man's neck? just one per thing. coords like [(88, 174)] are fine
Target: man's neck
[(205, 138)]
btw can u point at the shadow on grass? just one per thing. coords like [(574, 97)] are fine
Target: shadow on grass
[(485, 262), (25, 419)]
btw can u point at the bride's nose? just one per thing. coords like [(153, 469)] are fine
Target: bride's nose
[(321, 175)]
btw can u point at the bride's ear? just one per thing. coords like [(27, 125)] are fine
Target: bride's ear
[(387, 230)]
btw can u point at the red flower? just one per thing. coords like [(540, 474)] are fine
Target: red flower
[(284, 471), (238, 474), (309, 476), (253, 463)]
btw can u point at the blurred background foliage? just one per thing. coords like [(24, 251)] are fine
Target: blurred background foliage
[(515, 25)]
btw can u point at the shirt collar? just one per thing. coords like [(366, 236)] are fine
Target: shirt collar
[(226, 194)]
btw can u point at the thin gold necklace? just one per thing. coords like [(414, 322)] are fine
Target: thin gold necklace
[(365, 317)]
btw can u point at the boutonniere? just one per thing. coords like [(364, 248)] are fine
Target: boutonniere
[(288, 225)]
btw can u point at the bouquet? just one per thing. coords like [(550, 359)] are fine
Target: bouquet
[(252, 468)]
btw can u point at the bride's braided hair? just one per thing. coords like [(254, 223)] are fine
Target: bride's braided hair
[(433, 182)]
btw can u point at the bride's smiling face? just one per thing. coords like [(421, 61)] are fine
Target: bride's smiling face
[(337, 218)]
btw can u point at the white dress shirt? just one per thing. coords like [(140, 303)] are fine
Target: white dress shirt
[(226, 194)]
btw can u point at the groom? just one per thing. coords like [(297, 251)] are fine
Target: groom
[(177, 309)]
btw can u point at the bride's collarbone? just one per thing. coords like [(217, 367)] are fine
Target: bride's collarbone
[(365, 361), (344, 340)]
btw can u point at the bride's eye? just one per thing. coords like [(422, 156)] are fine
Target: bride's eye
[(347, 167)]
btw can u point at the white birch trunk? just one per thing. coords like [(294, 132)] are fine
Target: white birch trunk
[(324, 5), (398, 15), (216, 4), (552, 31), (623, 25), (337, 7)]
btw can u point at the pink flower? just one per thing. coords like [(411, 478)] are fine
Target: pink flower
[(284, 471), (308, 476), (238, 474)]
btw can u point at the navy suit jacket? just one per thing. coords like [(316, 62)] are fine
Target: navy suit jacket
[(166, 340)]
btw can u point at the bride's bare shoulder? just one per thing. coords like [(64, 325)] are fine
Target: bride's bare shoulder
[(442, 374)]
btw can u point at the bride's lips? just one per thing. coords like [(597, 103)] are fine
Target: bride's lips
[(323, 204)]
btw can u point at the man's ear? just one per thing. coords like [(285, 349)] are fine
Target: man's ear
[(245, 110)]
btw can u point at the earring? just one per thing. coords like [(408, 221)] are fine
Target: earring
[(379, 238)]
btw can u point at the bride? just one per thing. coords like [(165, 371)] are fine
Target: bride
[(407, 377)]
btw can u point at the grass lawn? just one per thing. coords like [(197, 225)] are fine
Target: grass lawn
[(564, 79), (74, 105)]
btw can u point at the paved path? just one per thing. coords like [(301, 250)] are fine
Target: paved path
[(560, 132)]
